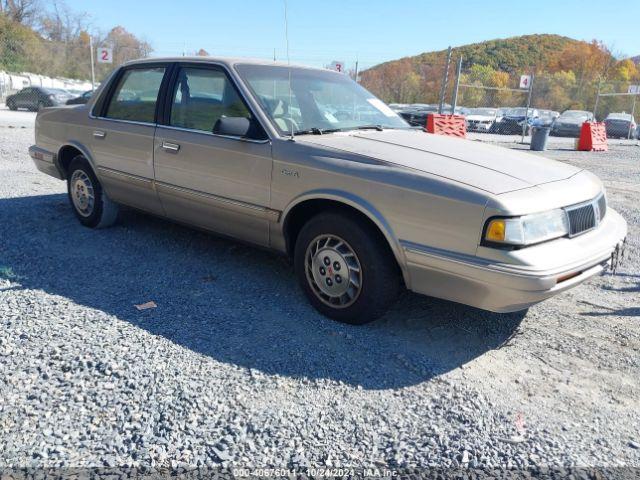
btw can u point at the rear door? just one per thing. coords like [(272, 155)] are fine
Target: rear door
[(121, 135), (220, 183)]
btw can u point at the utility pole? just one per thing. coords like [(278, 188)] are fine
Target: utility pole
[(356, 73), (93, 70), (445, 79), (454, 100)]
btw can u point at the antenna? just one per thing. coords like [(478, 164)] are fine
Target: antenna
[(286, 36)]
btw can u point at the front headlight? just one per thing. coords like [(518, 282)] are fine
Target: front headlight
[(528, 229)]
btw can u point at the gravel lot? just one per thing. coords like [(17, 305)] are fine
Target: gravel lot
[(234, 368)]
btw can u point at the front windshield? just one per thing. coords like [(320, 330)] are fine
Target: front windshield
[(519, 112), (56, 91), (619, 116), (575, 114), (490, 112), (318, 101)]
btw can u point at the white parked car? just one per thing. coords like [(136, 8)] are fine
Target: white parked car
[(481, 119)]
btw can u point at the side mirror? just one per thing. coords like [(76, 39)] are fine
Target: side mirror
[(233, 126)]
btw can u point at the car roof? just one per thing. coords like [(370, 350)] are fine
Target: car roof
[(228, 61)]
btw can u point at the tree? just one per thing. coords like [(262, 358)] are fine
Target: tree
[(626, 71), (18, 46), (202, 53), (61, 24), (20, 11)]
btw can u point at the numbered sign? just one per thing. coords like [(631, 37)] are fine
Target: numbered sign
[(525, 82), (337, 66), (105, 55), (634, 89)]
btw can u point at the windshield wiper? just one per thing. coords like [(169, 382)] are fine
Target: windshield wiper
[(369, 127), (316, 131), (321, 131)]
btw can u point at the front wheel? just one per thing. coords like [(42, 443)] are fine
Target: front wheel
[(345, 268), (90, 203), (12, 106)]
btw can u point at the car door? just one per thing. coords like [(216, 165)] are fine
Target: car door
[(121, 136), (22, 98), (217, 182)]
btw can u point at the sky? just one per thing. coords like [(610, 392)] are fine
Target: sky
[(372, 31)]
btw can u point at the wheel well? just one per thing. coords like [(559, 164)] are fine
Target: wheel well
[(65, 155), (304, 211)]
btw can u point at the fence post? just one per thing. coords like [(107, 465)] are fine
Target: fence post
[(526, 113), (445, 79), (595, 107), (454, 100), (633, 112), (93, 71)]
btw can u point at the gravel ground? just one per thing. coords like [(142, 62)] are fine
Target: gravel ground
[(234, 368)]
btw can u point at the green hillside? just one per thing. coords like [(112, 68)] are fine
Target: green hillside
[(567, 72), (506, 54)]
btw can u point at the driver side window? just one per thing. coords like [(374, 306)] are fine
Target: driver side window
[(202, 96)]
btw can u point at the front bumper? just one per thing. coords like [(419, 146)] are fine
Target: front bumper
[(509, 287), (566, 130), (621, 131), (510, 126), (45, 161), (474, 126)]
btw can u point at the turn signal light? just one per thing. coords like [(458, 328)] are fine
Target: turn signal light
[(496, 230)]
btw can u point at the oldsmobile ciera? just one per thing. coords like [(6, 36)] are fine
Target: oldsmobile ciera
[(307, 162)]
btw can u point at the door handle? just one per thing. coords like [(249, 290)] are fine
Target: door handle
[(99, 134), (170, 147)]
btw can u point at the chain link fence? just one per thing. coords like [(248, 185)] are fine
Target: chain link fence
[(37, 73), (497, 101)]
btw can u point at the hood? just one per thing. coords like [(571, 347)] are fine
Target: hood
[(492, 169), (480, 118), (570, 121)]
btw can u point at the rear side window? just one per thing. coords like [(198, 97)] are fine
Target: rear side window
[(136, 95), (202, 96)]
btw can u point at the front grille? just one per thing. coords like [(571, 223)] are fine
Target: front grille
[(581, 219), (585, 217)]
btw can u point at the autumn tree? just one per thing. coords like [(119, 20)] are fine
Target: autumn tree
[(24, 12)]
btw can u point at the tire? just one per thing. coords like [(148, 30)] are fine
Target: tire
[(40, 106), (99, 210), (379, 276), (12, 106)]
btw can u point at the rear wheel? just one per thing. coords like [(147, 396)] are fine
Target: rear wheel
[(90, 203), (345, 268), (40, 106)]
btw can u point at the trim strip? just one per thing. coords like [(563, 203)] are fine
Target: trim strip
[(215, 135), (138, 181), (218, 201), (445, 254), (38, 153), (209, 199)]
